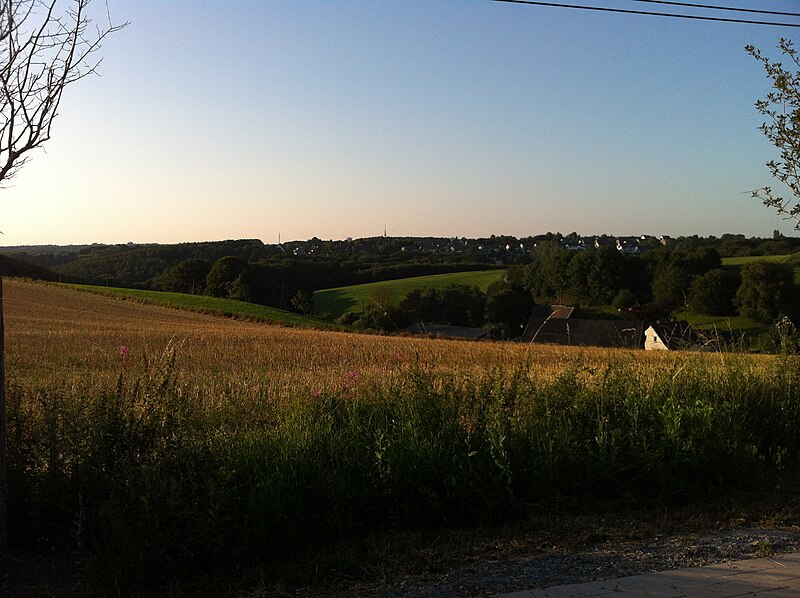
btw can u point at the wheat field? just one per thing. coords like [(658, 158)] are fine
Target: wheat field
[(56, 334), (152, 440)]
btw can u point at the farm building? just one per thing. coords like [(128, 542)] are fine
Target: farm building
[(669, 337), (554, 324), (584, 333)]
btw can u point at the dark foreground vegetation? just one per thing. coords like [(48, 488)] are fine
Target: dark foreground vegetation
[(158, 478)]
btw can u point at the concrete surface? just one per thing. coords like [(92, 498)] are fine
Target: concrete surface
[(771, 577)]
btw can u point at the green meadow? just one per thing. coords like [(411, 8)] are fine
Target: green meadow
[(355, 298), (792, 260), (208, 305)]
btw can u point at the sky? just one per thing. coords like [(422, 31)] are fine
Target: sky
[(289, 119)]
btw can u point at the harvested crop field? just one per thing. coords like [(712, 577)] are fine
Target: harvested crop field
[(157, 443), (59, 332)]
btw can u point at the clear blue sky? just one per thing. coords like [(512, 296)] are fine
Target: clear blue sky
[(250, 119)]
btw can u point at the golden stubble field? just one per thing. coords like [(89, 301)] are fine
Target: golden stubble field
[(59, 337), (257, 438)]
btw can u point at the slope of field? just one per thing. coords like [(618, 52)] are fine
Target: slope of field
[(791, 260), (355, 298), (209, 305), (60, 331), (153, 445)]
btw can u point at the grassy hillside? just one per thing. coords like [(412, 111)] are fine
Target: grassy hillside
[(791, 260), (152, 445), (12, 266), (353, 298), (209, 305)]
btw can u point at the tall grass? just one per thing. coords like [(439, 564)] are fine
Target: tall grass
[(152, 475), (212, 450)]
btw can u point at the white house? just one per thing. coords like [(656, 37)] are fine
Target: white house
[(668, 337), (653, 342)]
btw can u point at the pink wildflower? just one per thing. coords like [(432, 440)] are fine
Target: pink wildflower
[(350, 382), (124, 351)]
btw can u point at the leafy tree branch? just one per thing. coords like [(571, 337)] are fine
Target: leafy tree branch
[(781, 107)]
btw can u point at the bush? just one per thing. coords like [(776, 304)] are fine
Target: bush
[(712, 293), (624, 299)]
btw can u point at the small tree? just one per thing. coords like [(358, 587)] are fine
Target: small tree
[(228, 276), (463, 305), (45, 45), (507, 310), (670, 287), (712, 293), (781, 107), (545, 275), (767, 292), (188, 276), (303, 302), (606, 276)]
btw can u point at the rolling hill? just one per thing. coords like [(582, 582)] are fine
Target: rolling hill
[(210, 305), (340, 300)]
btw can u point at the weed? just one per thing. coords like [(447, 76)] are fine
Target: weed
[(764, 548)]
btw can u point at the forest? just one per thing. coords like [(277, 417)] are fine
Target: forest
[(643, 277)]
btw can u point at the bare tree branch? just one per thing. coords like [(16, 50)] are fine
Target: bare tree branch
[(44, 47)]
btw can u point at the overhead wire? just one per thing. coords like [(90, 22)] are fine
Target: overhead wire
[(725, 8), (648, 13)]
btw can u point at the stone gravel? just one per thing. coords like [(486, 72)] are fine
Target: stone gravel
[(599, 562)]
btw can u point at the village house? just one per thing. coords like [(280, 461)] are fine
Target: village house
[(554, 324), (669, 337)]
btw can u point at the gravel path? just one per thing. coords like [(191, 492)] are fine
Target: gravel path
[(489, 569), (600, 562)]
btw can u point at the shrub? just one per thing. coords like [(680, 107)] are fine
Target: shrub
[(712, 293), (767, 292)]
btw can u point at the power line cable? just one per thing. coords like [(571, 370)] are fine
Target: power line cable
[(725, 8), (648, 13)]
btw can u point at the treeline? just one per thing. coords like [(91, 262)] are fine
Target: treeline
[(664, 274), (503, 309), (663, 280), (341, 262), (287, 283), (245, 269), (729, 245), (136, 265), (11, 266), (650, 286)]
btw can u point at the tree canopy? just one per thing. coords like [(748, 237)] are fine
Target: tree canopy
[(767, 292), (781, 107)]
